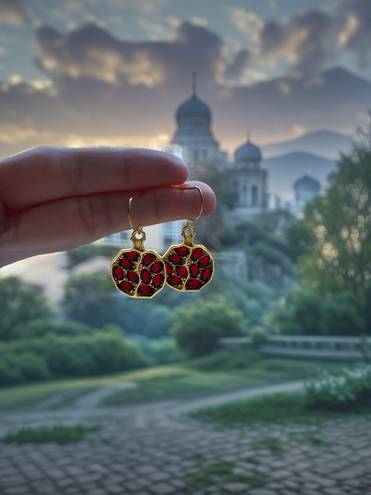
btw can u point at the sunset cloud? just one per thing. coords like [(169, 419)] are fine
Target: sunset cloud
[(12, 12)]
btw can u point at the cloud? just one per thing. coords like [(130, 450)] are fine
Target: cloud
[(315, 39), (246, 21), (12, 12), (235, 70), (92, 52)]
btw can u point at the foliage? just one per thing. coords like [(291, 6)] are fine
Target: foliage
[(259, 337), (345, 390), (44, 327), (338, 225), (83, 253), (275, 408), (199, 326), (90, 298), (307, 312), (60, 356), (21, 303), (46, 434)]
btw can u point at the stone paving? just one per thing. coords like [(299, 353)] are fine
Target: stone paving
[(158, 449)]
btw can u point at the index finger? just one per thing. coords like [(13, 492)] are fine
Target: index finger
[(44, 174)]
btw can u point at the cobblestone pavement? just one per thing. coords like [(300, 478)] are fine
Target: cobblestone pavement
[(157, 449)]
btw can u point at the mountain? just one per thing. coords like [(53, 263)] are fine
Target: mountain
[(326, 143), (284, 169), (332, 99)]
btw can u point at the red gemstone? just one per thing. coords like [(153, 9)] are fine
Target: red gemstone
[(206, 274), (169, 269), (194, 271), (126, 263), (193, 284), (176, 259), (126, 286), (158, 280), (182, 271), (174, 280), (204, 261), (134, 277), (156, 267), (182, 250), (145, 290), (145, 276), (148, 258), (131, 255), (197, 252), (118, 272)]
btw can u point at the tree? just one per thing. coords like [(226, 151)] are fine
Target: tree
[(339, 226), (90, 298), (307, 312), (21, 303), (199, 326)]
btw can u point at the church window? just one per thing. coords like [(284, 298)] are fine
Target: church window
[(254, 196)]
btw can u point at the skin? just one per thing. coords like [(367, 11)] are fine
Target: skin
[(53, 199)]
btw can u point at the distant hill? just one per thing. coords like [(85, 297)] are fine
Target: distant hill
[(326, 143), (285, 169)]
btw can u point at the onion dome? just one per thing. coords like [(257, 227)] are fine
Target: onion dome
[(193, 112), (307, 183), (248, 152)]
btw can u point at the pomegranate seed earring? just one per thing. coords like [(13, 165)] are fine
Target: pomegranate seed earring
[(189, 266), (138, 272)]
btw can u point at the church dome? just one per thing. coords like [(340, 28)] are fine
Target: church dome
[(248, 152), (307, 183), (193, 110)]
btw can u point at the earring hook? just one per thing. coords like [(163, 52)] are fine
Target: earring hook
[(194, 219), (138, 235)]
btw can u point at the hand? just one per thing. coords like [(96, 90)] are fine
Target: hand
[(53, 199)]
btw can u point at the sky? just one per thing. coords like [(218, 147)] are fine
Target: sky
[(92, 72)]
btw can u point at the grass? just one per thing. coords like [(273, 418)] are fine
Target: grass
[(223, 472), (269, 443), (47, 434), (276, 408), (219, 372)]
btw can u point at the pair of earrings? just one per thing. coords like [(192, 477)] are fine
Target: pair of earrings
[(142, 273)]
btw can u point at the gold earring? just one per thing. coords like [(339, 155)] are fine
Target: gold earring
[(138, 272), (189, 266)]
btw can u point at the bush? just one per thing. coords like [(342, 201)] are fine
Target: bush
[(349, 388), (60, 356), (44, 327), (21, 368), (258, 337), (310, 313), (21, 303), (199, 326)]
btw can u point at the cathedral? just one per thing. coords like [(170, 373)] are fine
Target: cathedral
[(194, 138)]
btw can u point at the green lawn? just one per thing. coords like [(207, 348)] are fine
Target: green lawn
[(277, 408), (47, 434), (222, 371)]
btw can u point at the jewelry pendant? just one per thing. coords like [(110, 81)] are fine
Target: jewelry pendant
[(138, 272), (189, 266)]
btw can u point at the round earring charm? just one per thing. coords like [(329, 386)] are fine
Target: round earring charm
[(189, 266), (138, 272)]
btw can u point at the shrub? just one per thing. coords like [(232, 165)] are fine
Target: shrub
[(20, 303), (310, 313), (102, 352), (258, 337), (199, 326), (349, 388), (44, 327), (20, 368)]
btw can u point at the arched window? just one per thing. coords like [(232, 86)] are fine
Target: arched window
[(244, 195), (254, 196)]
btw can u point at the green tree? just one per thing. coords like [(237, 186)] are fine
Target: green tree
[(90, 298), (199, 326), (307, 312), (339, 226), (21, 303)]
